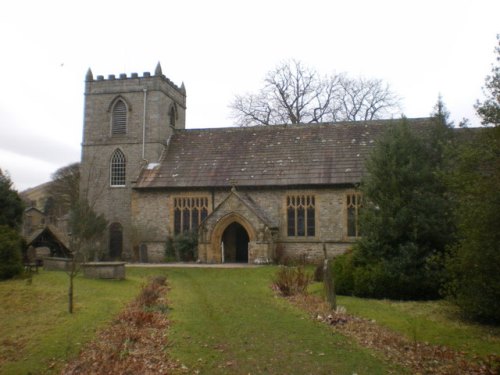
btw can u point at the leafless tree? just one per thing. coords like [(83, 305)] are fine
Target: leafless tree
[(86, 227), (363, 99), (64, 191), (296, 94)]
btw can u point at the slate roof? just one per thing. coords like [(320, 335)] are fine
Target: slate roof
[(292, 155), (50, 231)]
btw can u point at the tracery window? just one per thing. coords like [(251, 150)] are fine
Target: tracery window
[(118, 168), (189, 212), (301, 215), (354, 204), (119, 118)]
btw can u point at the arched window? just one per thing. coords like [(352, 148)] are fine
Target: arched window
[(119, 118), (172, 115), (115, 240), (118, 168)]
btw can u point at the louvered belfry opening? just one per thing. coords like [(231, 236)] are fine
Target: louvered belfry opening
[(118, 168), (119, 122)]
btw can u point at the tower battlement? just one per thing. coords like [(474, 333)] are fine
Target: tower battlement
[(89, 78)]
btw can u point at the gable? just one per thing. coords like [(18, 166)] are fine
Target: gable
[(241, 204), (318, 154)]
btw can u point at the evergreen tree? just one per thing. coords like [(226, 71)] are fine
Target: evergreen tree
[(406, 221), (489, 109), (11, 244), (11, 216), (473, 264), (11, 206)]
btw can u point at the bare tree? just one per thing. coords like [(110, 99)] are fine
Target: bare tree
[(64, 190), (296, 94), (363, 99), (86, 227)]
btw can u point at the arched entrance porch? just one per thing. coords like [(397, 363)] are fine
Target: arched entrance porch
[(234, 246), (231, 239)]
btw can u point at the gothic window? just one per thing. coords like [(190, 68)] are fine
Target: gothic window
[(300, 213), (171, 116), (189, 212), (119, 118), (354, 205), (118, 168)]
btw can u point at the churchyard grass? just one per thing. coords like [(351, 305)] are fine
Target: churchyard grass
[(223, 321), (437, 322), (228, 321), (37, 334)]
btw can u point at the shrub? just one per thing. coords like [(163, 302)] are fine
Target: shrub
[(371, 281), (290, 281), (318, 273), (343, 274), (11, 244), (182, 247)]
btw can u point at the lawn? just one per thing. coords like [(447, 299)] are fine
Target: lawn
[(37, 334), (223, 321), (229, 322), (436, 322)]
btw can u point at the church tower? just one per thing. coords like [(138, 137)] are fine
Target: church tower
[(127, 123)]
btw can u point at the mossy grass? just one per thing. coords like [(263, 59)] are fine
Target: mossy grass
[(437, 322), (224, 321), (228, 321), (37, 334)]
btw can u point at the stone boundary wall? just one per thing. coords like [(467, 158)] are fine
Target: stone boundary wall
[(56, 264), (104, 270)]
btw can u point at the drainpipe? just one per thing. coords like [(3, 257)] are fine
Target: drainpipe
[(144, 126)]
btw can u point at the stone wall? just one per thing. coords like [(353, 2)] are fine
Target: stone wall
[(56, 264), (104, 270), (152, 209)]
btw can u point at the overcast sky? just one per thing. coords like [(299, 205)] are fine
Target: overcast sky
[(220, 49)]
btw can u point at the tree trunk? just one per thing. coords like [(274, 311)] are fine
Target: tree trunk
[(70, 294)]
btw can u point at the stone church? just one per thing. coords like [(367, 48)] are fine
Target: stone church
[(251, 194)]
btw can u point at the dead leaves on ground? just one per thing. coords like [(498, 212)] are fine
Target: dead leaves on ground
[(421, 358), (134, 343)]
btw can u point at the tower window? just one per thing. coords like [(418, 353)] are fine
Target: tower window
[(172, 116), (119, 118), (118, 167)]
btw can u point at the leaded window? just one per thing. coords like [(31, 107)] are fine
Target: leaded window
[(118, 169), (354, 205), (119, 118), (301, 213), (189, 212)]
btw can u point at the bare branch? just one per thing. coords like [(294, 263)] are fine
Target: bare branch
[(295, 94)]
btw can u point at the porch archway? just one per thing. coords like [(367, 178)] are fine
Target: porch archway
[(236, 233)]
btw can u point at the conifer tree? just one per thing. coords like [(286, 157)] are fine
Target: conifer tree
[(474, 283), (406, 221)]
